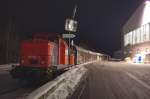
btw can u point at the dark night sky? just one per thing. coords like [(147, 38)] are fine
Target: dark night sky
[(100, 21)]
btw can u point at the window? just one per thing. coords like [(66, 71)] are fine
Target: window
[(133, 37), (138, 35), (142, 33), (147, 32), (147, 50), (130, 38), (138, 51), (125, 39)]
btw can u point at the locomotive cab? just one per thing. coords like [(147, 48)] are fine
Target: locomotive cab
[(38, 53), (41, 57)]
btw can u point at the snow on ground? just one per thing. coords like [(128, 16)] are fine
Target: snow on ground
[(63, 86), (72, 79)]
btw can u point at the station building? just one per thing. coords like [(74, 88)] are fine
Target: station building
[(136, 35)]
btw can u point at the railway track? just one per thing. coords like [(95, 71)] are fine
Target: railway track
[(10, 88)]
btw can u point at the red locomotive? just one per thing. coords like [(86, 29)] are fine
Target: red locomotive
[(43, 56), (46, 55)]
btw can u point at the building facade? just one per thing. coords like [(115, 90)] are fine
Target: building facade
[(136, 35)]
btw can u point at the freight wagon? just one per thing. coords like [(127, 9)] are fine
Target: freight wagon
[(83, 55)]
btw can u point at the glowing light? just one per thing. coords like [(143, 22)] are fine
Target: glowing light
[(146, 2), (146, 13), (128, 60), (139, 58)]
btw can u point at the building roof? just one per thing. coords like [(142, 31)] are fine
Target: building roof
[(137, 19)]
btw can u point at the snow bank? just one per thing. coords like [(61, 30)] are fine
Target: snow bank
[(63, 86)]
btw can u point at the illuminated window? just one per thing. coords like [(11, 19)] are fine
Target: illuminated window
[(133, 38), (147, 50), (138, 35), (138, 51), (142, 33), (130, 38), (147, 32), (125, 39)]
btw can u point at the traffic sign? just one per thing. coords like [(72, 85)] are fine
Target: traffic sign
[(68, 35), (71, 25)]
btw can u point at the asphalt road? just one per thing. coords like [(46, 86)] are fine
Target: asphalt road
[(116, 80), (9, 87)]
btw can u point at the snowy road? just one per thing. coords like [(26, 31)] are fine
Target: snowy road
[(116, 80)]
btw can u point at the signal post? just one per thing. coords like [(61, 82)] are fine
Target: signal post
[(71, 28)]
